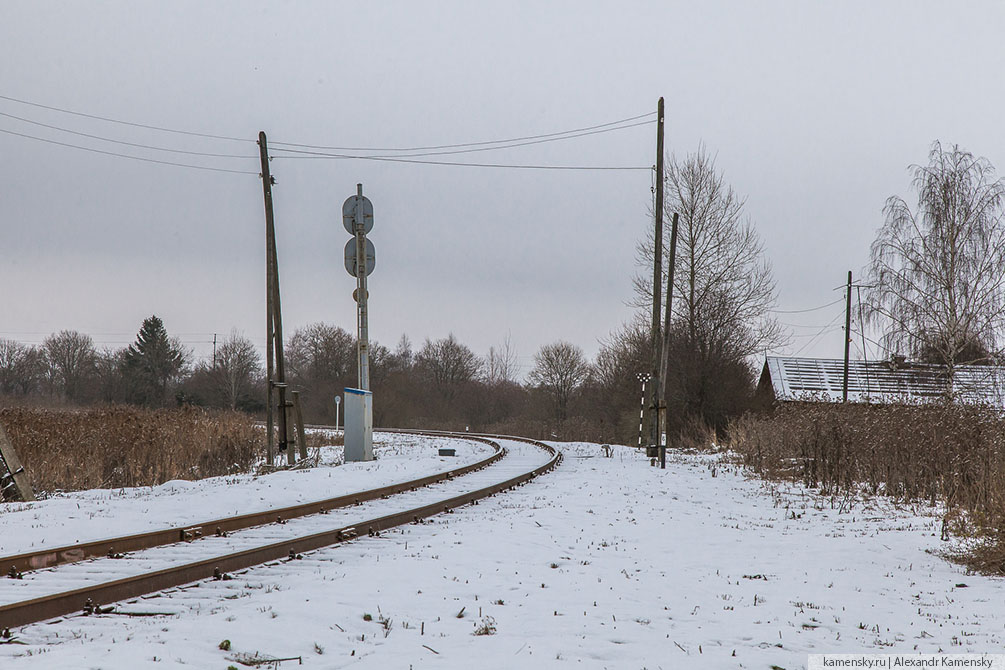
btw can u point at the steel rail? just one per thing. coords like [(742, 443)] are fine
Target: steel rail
[(88, 598), (46, 558)]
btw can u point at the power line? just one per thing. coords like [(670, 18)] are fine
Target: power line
[(476, 146), (479, 165), (316, 146), (465, 144), (468, 151), (126, 123), (798, 325), (819, 334), (130, 144), (135, 158), (872, 341), (827, 330), (803, 311)]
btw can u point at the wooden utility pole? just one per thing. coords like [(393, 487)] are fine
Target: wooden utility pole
[(666, 330), (263, 150), (274, 319), (655, 387), (847, 340), (301, 433), (277, 320)]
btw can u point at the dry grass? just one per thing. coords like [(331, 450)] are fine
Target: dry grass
[(117, 446), (938, 453)]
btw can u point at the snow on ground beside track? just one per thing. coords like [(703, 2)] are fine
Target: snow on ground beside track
[(97, 514), (603, 563)]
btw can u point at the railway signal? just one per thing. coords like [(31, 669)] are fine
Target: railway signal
[(360, 259)]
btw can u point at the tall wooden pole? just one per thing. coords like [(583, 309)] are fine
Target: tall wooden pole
[(655, 386), (666, 329), (847, 340), (277, 321), (263, 150)]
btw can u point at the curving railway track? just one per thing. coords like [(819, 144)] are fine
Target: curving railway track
[(85, 578)]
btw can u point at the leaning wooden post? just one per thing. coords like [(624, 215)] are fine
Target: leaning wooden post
[(15, 471), (301, 433)]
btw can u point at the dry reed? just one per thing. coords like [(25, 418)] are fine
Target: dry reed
[(951, 453), (116, 446)]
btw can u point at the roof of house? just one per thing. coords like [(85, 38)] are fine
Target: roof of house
[(880, 381)]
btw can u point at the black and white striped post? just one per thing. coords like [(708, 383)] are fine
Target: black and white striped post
[(644, 377)]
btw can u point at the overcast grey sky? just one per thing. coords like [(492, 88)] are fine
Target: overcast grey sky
[(814, 111)]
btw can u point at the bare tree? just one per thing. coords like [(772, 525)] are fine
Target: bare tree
[(111, 382), (501, 365), (448, 365), (321, 360), (21, 368), (723, 289), (403, 357), (723, 286), (615, 386), (559, 369), (938, 273), (321, 352), (70, 358), (237, 366)]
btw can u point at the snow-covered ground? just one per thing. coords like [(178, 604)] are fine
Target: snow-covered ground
[(94, 515), (603, 563)]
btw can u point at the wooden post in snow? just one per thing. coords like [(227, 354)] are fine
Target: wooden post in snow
[(12, 473)]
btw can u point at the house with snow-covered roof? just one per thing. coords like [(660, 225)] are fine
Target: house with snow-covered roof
[(786, 379)]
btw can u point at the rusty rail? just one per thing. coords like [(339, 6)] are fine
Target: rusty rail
[(55, 605), (46, 558)]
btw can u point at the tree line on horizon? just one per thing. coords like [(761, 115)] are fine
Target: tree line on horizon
[(442, 384)]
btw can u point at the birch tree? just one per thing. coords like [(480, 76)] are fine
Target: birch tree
[(938, 288)]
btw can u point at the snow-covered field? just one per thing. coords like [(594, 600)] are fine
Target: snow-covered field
[(603, 563)]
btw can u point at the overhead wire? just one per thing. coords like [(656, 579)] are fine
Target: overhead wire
[(277, 144), (123, 142), (465, 144), (803, 311), (130, 157), (819, 334), (799, 325), (879, 345), (827, 330), (306, 153), (487, 165), (126, 123), (433, 150)]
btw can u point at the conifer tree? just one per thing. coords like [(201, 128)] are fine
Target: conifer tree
[(151, 362)]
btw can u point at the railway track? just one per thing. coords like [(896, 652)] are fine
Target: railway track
[(45, 558), (72, 585)]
